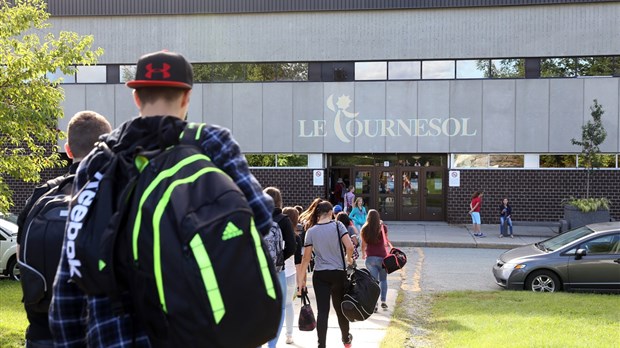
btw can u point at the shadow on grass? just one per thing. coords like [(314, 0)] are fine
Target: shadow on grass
[(11, 338)]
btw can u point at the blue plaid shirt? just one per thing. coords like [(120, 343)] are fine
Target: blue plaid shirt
[(77, 320)]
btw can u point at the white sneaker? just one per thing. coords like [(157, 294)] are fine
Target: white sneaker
[(289, 340)]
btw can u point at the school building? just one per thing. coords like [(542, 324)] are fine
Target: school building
[(416, 103)]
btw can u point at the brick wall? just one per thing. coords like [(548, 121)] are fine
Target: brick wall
[(535, 195), (22, 190), (294, 184)]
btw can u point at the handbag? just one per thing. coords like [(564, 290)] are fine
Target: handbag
[(396, 258), (306, 322)]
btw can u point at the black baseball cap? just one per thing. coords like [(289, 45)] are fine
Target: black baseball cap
[(163, 69)]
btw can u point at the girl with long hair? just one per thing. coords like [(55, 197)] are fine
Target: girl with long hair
[(326, 238), (373, 250)]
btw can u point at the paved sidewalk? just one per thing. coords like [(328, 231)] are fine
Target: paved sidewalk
[(369, 333)]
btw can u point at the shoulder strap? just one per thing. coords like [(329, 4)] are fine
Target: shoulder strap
[(192, 133), (385, 238), (344, 264)]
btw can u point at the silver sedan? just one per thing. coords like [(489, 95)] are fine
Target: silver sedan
[(586, 258)]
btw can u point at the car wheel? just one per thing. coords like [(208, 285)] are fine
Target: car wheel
[(13, 269), (543, 281)]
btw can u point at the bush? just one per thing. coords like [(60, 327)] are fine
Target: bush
[(589, 204)]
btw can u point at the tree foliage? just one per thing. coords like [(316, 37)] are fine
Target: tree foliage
[(29, 102), (592, 135)]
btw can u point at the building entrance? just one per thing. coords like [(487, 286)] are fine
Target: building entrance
[(398, 192)]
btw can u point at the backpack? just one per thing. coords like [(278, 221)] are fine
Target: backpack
[(42, 234), (175, 231), (275, 243)]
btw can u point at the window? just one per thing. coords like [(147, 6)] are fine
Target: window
[(558, 161), (472, 69), (226, 72), (292, 71), (91, 74), (471, 161), (438, 69), (127, 73), (260, 72), (370, 71), (603, 245), (404, 70), (507, 68), (506, 161), (60, 77), (277, 160)]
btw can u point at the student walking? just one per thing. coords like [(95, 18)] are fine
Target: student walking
[(291, 267), (326, 238), (474, 211), (161, 91), (374, 240), (43, 245), (349, 198), (505, 217), (358, 214)]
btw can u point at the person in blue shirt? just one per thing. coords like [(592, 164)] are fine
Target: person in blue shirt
[(162, 88)]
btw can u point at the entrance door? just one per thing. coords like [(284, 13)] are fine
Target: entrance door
[(386, 186), (433, 194), (410, 194)]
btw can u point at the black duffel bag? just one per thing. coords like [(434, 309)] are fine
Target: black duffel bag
[(361, 296)]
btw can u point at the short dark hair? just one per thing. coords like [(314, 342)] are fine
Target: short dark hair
[(149, 95), (84, 130)]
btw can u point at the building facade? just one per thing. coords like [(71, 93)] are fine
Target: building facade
[(414, 103)]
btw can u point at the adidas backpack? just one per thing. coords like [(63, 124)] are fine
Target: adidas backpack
[(180, 236), (275, 243), (41, 243)]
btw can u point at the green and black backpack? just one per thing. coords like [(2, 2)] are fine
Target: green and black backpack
[(175, 231)]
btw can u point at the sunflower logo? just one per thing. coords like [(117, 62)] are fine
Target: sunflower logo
[(340, 108)]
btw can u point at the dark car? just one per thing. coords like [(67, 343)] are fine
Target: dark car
[(586, 258)]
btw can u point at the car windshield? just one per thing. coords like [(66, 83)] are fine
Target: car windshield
[(565, 238)]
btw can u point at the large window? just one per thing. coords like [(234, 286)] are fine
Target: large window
[(277, 160), (438, 69), (371, 70), (91, 74), (404, 70), (530, 161)]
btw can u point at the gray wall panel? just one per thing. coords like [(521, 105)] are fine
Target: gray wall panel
[(569, 30), (565, 114), (195, 113), (532, 126), (277, 117), (308, 110), (370, 104), (433, 103), (218, 104), (75, 100), (100, 98), (498, 116), (401, 103), (247, 116), (606, 92), (124, 106), (466, 102), (338, 99)]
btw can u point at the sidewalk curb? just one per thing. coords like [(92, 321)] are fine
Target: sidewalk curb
[(409, 244)]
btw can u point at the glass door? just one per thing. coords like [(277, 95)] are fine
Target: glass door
[(386, 195), (433, 206), (410, 194), (363, 184)]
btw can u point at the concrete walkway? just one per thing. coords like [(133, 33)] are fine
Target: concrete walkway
[(370, 333)]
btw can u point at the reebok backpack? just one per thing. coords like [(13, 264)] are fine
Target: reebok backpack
[(42, 235), (182, 240), (275, 243)]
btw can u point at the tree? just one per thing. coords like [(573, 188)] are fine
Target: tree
[(592, 135), (29, 102)]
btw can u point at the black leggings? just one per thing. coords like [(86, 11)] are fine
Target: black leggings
[(326, 284)]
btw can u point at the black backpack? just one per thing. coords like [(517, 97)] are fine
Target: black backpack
[(42, 234), (275, 243), (361, 295), (180, 236)]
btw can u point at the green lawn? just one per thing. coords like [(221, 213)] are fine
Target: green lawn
[(13, 320), (525, 319), (455, 319)]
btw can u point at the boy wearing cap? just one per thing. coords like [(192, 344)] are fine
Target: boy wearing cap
[(162, 88)]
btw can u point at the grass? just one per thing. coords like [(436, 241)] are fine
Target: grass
[(457, 319), (13, 321)]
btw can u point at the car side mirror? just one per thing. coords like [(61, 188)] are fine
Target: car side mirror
[(580, 253)]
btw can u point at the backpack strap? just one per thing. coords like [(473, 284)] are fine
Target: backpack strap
[(192, 133)]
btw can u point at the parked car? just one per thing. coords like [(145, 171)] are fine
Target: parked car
[(585, 258), (8, 249)]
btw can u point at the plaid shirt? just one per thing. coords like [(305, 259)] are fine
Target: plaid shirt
[(77, 320)]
